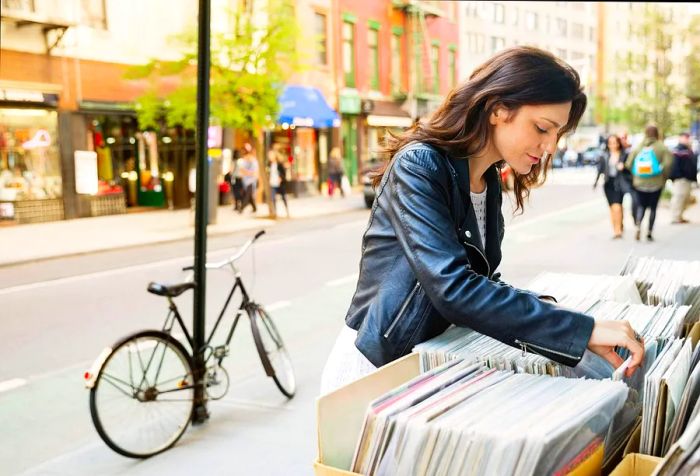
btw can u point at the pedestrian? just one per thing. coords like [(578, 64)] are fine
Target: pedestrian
[(335, 172), (650, 164), (433, 242), (627, 147), (684, 173), (249, 174), (611, 166), (278, 180), (237, 178)]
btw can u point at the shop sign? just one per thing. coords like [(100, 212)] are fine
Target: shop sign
[(349, 103), (86, 172), (7, 210), (214, 137), (21, 95)]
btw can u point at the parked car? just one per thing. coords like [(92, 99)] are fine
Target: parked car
[(367, 189), (591, 155)]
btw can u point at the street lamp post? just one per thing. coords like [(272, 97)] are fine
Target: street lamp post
[(200, 413)]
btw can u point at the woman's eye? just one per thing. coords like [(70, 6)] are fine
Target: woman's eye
[(540, 130)]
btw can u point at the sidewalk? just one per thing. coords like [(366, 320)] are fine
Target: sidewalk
[(88, 235)]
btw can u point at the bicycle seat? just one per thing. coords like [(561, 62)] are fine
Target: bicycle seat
[(170, 290)]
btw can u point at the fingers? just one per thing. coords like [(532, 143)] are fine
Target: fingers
[(612, 357), (636, 349)]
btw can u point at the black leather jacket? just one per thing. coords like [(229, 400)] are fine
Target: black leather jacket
[(424, 267)]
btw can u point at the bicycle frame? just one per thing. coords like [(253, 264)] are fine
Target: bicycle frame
[(174, 315)]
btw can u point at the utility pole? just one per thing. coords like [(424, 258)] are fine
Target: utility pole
[(200, 413)]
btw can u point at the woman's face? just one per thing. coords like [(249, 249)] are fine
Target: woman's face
[(612, 144), (522, 136)]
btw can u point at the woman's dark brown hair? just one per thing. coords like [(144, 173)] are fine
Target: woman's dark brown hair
[(618, 139), (513, 78)]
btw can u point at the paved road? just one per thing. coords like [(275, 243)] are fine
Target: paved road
[(57, 316)]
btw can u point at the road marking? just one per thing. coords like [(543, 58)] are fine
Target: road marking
[(11, 384), (343, 280), (184, 260), (277, 306), (550, 215)]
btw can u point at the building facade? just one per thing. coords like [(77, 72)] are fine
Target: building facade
[(567, 29), (396, 60), (629, 63), (62, 78)]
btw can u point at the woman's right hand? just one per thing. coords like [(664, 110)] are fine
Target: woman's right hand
[(607, 335)]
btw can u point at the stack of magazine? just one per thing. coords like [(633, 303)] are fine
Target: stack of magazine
[(667, 282), (565, 285), (462, 418)]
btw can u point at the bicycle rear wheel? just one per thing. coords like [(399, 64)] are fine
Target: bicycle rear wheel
[(143, 396), (273, 354)]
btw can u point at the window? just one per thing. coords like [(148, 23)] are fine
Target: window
[(321, 38), (94, 14), (22, 5), (396, 73), (453, 67), (561, 26), (373, 45), (435, 59), (531, 20), (577, 30), (516, 16), (499, 14), (497, 43), (349, 53)]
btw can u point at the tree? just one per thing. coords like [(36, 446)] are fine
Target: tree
[(647, 83), (249, 66)]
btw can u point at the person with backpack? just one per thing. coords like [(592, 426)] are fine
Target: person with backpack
[(684, 173), (650, 164)]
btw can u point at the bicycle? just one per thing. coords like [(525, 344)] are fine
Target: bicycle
[(148, 375)]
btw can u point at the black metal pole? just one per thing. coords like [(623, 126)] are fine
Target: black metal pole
[(201, 213)]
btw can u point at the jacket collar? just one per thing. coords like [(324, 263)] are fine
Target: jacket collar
[(492, 249)]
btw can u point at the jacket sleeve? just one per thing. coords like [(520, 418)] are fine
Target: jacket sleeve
[(418, 209)]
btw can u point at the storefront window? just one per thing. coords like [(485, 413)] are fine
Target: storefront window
[(305, 154), (30, 165)]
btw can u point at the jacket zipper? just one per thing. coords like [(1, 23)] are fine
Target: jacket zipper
[(524, 345), (488, 266), (401, 311)]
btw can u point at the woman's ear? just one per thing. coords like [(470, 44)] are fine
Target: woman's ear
[(499, 115)]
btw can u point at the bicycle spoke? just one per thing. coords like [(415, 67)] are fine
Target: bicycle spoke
[(111, 380), (151, 422)]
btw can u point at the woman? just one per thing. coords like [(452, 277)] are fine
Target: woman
[(433, 241), (335, 172), (617, 181), (278, 180)]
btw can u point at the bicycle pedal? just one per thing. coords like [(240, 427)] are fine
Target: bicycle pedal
[(220, 351)]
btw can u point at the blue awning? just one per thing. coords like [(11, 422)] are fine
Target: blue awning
[(305, 106)]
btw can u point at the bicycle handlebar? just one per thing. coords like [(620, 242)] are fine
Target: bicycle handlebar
[(233, 258)]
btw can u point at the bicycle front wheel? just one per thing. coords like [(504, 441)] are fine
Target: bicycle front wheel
[(273, 354), (143, 396)]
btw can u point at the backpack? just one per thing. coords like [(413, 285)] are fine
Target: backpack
[(646, 164)]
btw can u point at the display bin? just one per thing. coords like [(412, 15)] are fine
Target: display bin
[(340, 416), (636, 464)]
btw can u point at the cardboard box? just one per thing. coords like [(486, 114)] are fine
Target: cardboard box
[(340, 416), (636, 464)]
